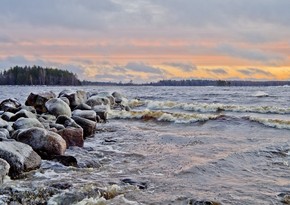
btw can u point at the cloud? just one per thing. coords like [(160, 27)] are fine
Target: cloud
[(254, 71), (186, 67), (217, 71), (255, 55), (142, 67), (10, 61)]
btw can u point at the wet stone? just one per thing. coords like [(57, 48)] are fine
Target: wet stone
[(140, 185)]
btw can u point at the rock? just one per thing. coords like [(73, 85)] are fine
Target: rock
[(83, 106), (66, 121), (22, 113), (75, 98), (88, 126), (64, 159), (43, 141), (3, 123), (88, 114), (4, 169), (20, 157), (29, 108), (57, 107), (24, 123), (65, 99), (140, 185), (73, 136), (4, 133), (121, 101), (56, 126), (97, 100), (10, 105), (102, 112), (106, 95), (7, 115), (38, 100)]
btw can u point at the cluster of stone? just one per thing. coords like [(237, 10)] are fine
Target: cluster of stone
[(47, 125)]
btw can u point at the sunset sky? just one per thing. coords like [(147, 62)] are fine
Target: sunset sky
[(149, 40)]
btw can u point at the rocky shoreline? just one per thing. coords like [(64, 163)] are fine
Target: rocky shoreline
[(43, 129)]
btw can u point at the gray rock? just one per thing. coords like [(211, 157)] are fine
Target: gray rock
[(97, 100), (20, 157), (43, 141), (4, 169), (65, 99), (3, 123), (22, 113), (4, 133), (38, 100), (83, 106), (56, 126), (75, 98), (7, 116), (11, 105), (57, 107), (66, 121), (25, 123), (102, 112), (88, 114), (89, 126)]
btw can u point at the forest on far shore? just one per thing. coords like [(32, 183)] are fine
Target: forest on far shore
[(37, 75)]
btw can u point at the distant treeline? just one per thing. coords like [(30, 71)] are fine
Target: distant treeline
[(194, 83), (218, 83), (37, 75)]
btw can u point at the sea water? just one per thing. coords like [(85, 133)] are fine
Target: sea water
[(186, 145)]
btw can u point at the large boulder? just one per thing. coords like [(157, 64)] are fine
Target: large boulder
[(3, 123), (102, 112), (43, 141), (20, 157), (4, 169), (97, 100), (7, 116), (38, 100), (10, 105), (89, 126), (121, 101), (83, 106), (24, 123), (4, 134), (75, 98), (73, 136), (88, 114), (66, 121), (22, 113), (57, 107)]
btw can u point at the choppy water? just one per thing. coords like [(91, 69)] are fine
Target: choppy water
[(225, 144)]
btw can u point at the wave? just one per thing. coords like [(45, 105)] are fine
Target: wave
[(275, 123), (214, 107), (161, 116), (260, 94)]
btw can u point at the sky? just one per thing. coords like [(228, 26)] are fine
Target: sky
[(149, 40)]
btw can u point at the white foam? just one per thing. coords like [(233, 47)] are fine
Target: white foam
[(214, 107), (260, 94), (161, 116), (276, 123)]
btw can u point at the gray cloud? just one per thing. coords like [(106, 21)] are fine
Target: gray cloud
[(142, 67), (217, 71), (254, 71), (186, 67), (255, 55), (10, 61)]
